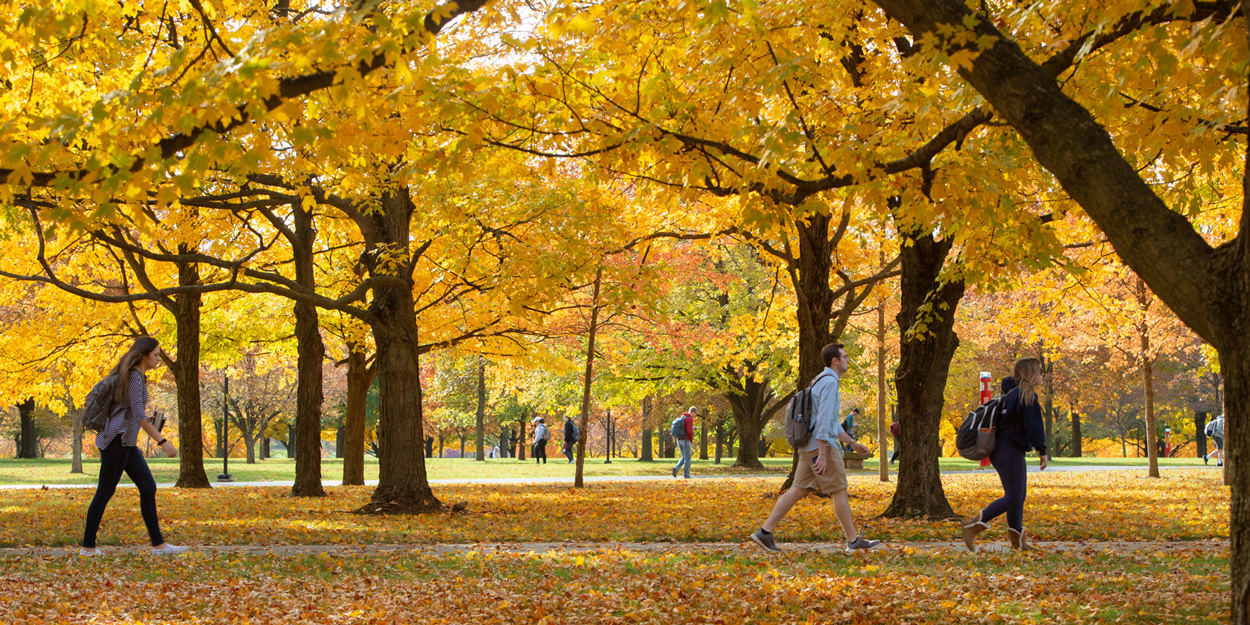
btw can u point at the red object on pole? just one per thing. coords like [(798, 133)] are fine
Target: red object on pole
[(986, 395)]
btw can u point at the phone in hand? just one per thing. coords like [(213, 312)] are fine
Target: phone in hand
[(157, 420)]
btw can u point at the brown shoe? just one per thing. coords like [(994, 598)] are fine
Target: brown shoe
[(972, 527), (1018, 541)]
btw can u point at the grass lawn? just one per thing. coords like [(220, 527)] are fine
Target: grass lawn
[(56, 470), (1184, 505), (620, 587)]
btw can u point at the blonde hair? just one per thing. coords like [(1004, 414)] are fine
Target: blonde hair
[(1025, 372)]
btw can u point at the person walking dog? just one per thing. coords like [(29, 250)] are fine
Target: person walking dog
[(119, 452), (820, 460), (1020, 430)]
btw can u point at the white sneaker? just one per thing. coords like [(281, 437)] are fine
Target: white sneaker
[(90, 553), (169, 550)]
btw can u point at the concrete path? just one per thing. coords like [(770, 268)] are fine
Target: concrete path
[(600, 478), (746, 546)]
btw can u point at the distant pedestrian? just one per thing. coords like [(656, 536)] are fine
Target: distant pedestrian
[(848, 426), (1215, 430), (1019, 430), (570, 438), (820, 461), (682, 429), (119, 452), (541, 436)]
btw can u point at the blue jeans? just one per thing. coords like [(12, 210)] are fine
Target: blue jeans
[(1009, 461), (114, 460), (684, 446)]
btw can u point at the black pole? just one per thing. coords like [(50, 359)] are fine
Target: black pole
[(225, 430)]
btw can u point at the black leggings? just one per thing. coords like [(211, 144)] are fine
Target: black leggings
[(540, 451), (1012, 469), (114, 460)]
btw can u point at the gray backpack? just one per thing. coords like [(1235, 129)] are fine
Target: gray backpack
[(800, 416), (98, 407)]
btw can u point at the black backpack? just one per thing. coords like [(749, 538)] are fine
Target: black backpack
[(977, 435), (800, 416), (98, 407)]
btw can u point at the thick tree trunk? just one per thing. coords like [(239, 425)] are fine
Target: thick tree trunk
[(1208, 289), (815, 298), (359, 379), (308, 399), (310, 355), (186, 370), (28, 449), (481, 411), (924, 361), (747, 402), (402, 482), (1076, 434)]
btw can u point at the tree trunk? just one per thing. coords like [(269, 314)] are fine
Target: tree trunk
[(578, 481), (1200, 432), (1147, 372), (703, 433), (1076, 434), (359, 379), (520, 442), (645, 454), (76, 443), (402, 482), (720, 437), (924, 361), (264, 447), (186, 370), (28, 449), (747, 403), (310, 354), (1208, 288), (883, 425), (249, 442), (481, 411), (815, 298)]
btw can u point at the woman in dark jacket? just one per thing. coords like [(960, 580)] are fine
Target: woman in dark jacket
[(1019, 431)]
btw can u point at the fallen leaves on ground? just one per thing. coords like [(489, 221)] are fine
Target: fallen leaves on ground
[(1094, 506), (619, 587)]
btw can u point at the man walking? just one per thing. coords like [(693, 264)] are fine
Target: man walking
[(820, 460), (682, 429), (570, 438)]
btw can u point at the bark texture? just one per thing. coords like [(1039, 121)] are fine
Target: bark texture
[(924, 362), (1208, 288), (186, 369), (310, 352), (359, 377)]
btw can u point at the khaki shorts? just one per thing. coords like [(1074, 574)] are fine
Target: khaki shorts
[(832, 481)]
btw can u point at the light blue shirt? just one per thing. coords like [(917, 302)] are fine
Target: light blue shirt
[(827, 405)]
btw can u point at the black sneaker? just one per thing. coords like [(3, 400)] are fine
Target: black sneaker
[(765, 541), (861, 544), (674, 471)]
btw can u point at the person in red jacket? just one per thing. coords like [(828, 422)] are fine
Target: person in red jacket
[(684, 435)]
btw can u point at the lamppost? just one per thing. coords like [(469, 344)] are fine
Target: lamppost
[(225, 431)]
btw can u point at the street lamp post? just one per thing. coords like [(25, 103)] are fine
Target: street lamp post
[(225, 431)]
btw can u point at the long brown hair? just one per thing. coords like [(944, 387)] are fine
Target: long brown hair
[(139, 350), (1025, 372)]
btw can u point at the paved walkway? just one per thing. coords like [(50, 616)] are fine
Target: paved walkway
[(607, 478), (1209, 546)]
